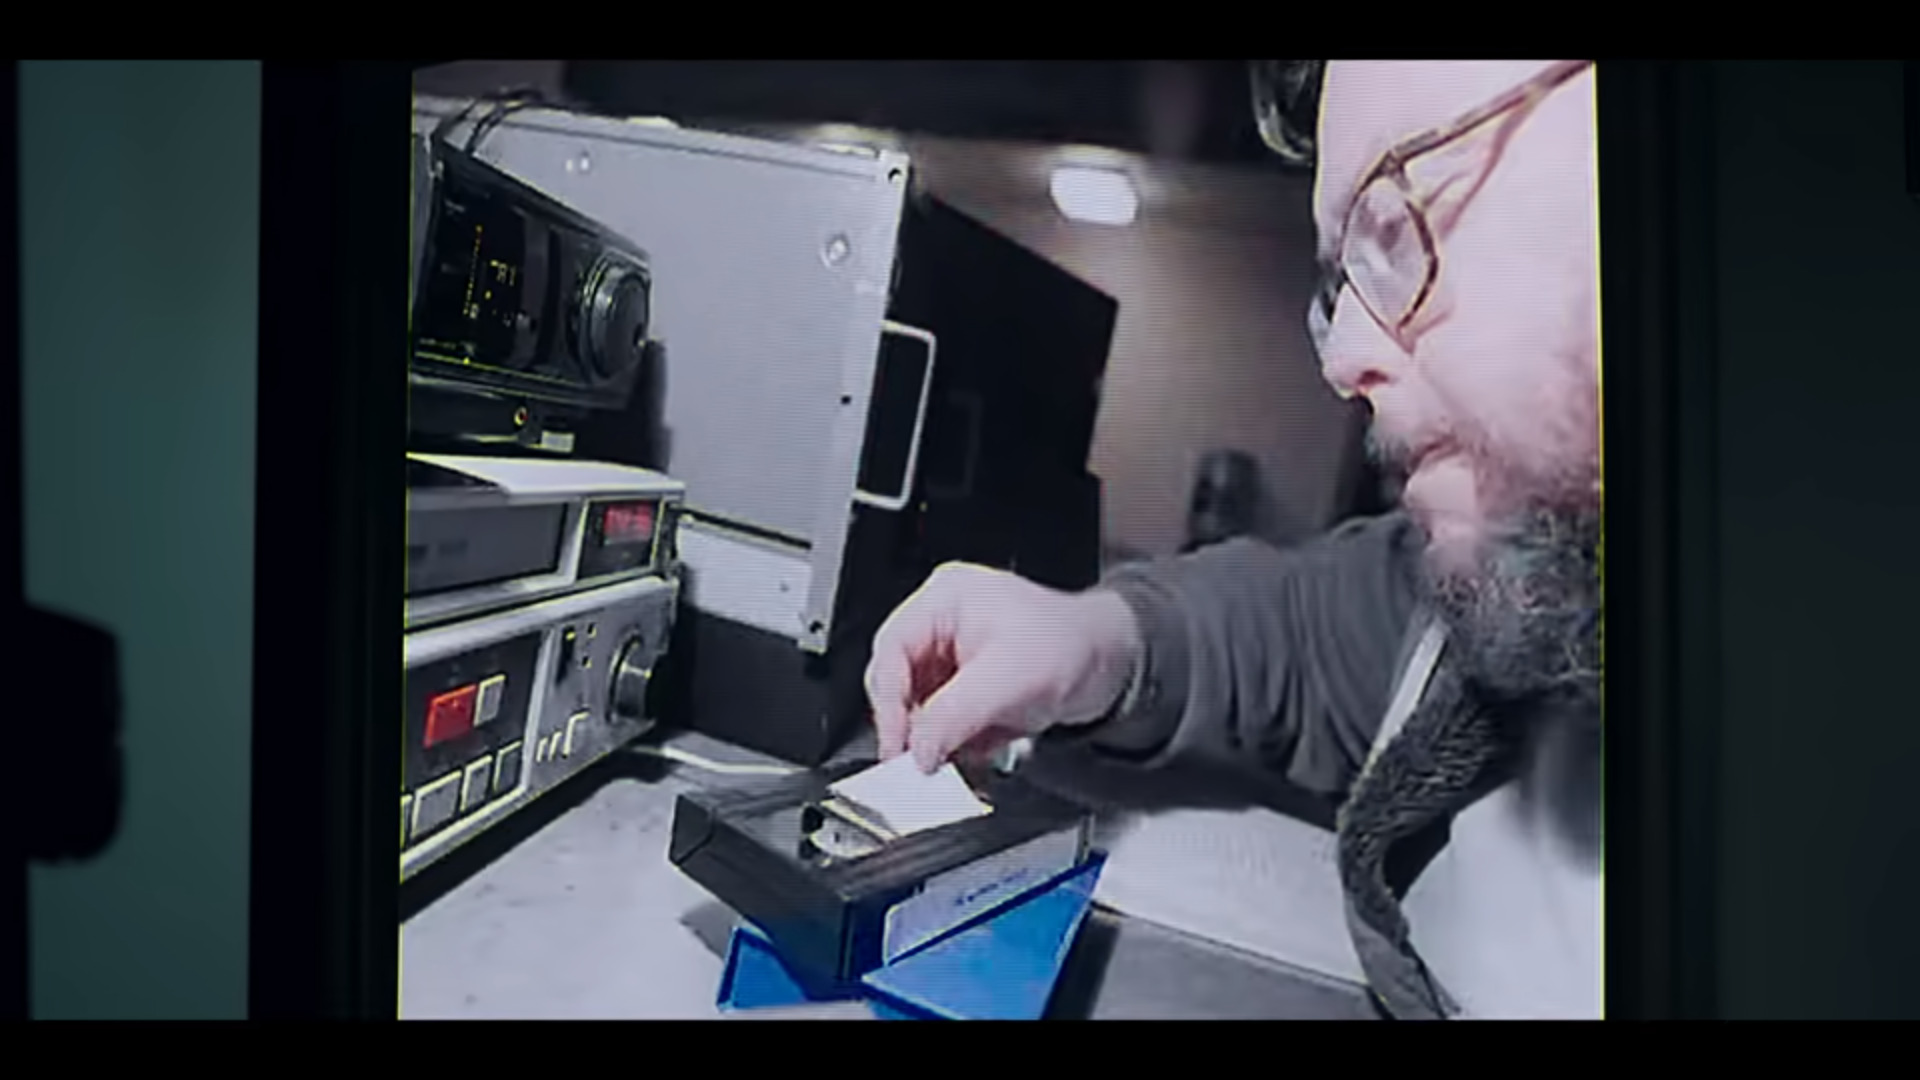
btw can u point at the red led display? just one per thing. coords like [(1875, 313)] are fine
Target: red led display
[(628, 523), (450, 715)]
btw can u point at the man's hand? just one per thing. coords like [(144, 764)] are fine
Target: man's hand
[(978, 658)]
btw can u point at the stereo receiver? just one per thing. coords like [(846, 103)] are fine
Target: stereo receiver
[(504, 707), (485, 534), (527, 315)]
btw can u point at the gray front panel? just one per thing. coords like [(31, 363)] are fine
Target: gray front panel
[(566, 724), (772, 267)]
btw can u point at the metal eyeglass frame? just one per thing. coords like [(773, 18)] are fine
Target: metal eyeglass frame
[(1392, 168)]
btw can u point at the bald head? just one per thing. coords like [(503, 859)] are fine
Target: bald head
[(1369, 105)]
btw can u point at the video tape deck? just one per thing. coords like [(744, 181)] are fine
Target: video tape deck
[(527, 315), (486, 534), (504, 707), (541, 597)]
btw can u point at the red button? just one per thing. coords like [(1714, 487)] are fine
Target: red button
[(450, 715)]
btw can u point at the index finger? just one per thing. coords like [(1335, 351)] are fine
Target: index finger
[(888, 683)]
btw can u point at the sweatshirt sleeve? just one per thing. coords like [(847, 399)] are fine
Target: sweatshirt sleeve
[(1286, 657)]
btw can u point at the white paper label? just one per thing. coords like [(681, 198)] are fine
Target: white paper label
[(950, 899), (910, 801)]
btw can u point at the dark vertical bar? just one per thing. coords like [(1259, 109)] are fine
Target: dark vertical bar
[(14, 931), (1912, 116), (1691, 356), (372, 488), (1635, 442), (1662, 674), (334, 176)]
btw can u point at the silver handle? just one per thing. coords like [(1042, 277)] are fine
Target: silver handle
[(897, 503)]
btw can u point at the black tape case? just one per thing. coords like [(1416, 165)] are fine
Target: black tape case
[(839, 916)]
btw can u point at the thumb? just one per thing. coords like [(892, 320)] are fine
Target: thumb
[(908, 636)]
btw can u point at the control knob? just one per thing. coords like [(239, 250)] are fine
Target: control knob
[(628, 699), (615, 315)]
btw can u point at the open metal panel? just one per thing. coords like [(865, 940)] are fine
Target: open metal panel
[(772, 268)]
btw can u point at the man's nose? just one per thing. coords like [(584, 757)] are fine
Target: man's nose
[(1357, 357)]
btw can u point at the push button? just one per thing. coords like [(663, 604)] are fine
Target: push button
[(450, 715), (473, 790), (573, 726), (435, 805), (487, 704), (506, 769)]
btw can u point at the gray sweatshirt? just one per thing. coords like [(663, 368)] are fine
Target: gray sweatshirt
[(1308, 661)]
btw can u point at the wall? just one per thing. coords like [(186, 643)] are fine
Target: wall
[(461, 78), (1819, 265), (140, 206), (1211, 351)]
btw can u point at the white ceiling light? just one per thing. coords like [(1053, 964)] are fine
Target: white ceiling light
[(1095, 196)]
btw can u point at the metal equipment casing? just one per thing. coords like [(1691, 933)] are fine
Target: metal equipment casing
[(773, 264), (469, 512)]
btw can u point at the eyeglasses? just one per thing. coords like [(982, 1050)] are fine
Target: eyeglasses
[(1388, 253)]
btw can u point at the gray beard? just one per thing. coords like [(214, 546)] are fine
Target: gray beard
[(1516, 697), (1526, 622), (1525, 646)]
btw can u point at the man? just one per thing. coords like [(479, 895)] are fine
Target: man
[(1437, 670)]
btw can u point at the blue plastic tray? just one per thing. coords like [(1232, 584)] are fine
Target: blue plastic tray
[(1002, 967)]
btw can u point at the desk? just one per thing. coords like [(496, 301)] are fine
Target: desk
[(583, 918)]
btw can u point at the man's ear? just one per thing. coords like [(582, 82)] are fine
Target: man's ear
[(1286, 105)]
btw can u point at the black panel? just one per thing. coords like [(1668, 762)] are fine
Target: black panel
[(1044, 526), (1023, 347), (484, 286), (1912, 121), (897, 383), (515, 659), (749, 688), (519, 302)]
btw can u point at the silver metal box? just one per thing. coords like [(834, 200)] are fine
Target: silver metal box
[(772, 267)]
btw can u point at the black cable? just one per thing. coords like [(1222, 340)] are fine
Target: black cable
[(504, 102), (446, 126), (510, 103)]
